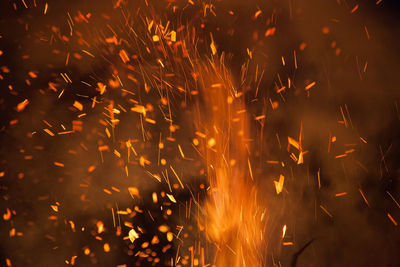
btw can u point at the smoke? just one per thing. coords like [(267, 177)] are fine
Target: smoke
[(354, 98), (351, 56)]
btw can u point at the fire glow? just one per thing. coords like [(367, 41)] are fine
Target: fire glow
[(189, 133)]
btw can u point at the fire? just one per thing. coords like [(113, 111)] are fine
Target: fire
[(197, 133), (233, 219)]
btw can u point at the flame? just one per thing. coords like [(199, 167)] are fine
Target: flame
[(234, 220)]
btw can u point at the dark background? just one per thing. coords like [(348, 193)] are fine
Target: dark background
[(356, 235)]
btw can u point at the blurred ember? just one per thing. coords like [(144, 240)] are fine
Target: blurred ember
[(199, 133)]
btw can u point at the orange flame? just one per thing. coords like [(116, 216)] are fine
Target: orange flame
[(233, 221)]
